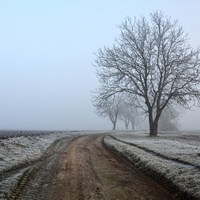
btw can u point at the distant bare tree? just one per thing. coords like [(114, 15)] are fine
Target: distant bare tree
[(128, 114), (169, 119), (108, 107), (153, 62), (125, 115)]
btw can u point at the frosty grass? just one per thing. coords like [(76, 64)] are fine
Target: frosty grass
[(175, 156), (21, 150)]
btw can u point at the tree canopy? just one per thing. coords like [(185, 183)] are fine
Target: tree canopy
[(153, 62)]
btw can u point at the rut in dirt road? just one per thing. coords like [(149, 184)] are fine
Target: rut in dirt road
[(86, 170)]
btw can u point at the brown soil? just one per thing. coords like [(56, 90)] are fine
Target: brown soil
[(85, 169)]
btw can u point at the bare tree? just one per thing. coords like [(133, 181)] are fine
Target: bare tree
[(125, 115), (128, 114), (108, 107), (153, 62), (133, 116), (169, 119)]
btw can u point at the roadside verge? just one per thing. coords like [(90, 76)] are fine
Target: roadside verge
[(178, 177)]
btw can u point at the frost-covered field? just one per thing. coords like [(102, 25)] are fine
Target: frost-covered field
[(175, 156), (18, 152)]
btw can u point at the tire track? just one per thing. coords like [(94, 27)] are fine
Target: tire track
[(86, 170)]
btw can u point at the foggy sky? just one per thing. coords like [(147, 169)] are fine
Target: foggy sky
[(46, 55)]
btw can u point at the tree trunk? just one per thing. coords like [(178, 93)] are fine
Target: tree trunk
[(153, 125), (114, 125), (126, 125), (154, 129), (133, 124)]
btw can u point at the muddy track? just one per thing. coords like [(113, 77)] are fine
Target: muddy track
[(85, 169)]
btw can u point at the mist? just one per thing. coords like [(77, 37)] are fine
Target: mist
[(46, 57)]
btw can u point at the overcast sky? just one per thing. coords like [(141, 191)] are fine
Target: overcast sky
[(46, 51)]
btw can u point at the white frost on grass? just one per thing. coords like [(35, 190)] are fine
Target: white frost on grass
[(7, 184), (178, 146), (16, 151), (20, 150)]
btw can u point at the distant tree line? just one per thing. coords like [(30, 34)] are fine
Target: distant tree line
[(153, 64), (117, 108)]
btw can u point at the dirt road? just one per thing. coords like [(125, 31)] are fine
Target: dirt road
[(85, 169)]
